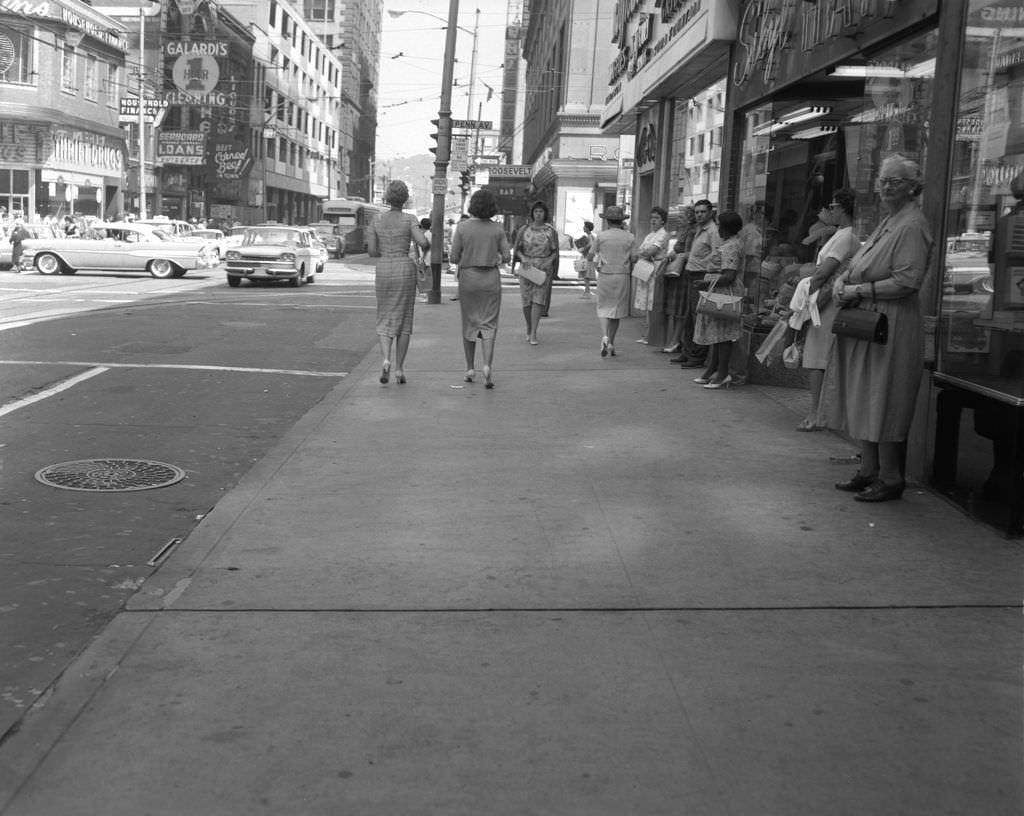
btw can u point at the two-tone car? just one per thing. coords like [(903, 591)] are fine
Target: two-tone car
[(35, 230), (118, 246), (275, 252)]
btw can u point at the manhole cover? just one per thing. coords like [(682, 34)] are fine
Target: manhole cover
[(110, 475)]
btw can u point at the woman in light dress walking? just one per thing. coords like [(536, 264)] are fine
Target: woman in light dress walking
[(611, 252), (388, 238)]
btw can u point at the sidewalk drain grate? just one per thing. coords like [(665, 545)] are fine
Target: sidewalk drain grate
[(110, 475)]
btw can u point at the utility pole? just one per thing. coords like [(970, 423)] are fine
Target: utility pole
[(444, 147)]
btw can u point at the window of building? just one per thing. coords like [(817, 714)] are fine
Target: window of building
[(67, 69), (319, 10), (113, 85), (17, 54), (273, 13), (14, 190), (89, 79)]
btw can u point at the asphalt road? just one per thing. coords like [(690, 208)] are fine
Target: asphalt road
[(188, 373)]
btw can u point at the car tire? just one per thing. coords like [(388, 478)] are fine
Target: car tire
[(161, 268), (296, 282), (234, 281), (49, 264)]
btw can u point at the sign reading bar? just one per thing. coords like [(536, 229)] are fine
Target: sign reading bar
[(472, 124)]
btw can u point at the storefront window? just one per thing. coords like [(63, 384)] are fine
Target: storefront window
[(830, 132), (981, 327), (16, 55), (14, 191)]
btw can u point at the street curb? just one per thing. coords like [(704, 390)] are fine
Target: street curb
[(164, 587), (26, 744), (32, 737)]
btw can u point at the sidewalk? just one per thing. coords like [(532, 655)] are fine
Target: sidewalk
[(596, 589)]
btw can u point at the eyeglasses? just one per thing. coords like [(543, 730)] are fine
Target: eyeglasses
[(891, 181), (835, 206)]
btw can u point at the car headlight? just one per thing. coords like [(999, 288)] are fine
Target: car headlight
[(287, 256), (234, 255)]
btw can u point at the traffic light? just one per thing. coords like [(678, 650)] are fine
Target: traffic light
[(436, 135), (465, 181)]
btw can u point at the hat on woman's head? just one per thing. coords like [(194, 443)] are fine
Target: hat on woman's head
[(614, 213), (397, 193)]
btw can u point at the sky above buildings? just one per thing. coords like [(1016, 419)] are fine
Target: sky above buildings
[(411, 65)]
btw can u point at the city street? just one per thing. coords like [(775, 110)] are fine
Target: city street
[(185, 372), (596, 588)]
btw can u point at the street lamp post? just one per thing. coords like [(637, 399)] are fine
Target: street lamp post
[(444, 146)]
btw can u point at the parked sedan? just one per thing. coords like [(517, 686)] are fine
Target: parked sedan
[(117, 247), (275, 252)]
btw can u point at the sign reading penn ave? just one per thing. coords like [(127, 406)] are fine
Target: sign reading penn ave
[(472, 124)]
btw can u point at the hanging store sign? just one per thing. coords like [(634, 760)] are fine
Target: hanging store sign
[(129, 110), (22, 143), (70, 15), (512, 171), (181, 147), (84, 152), (230, 160), (782, 41), (646, 151), (195, 72)]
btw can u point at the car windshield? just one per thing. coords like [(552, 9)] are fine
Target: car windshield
[(207, 233), (270, 236)]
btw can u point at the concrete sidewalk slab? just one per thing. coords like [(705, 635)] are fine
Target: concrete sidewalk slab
[(596, 589), (548, 713)]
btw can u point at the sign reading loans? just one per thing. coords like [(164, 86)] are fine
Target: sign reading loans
[(182, 147)]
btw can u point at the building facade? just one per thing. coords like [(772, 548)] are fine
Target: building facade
[(297, 120), (351, 29), (62, 74), (575, 166), (816, 96)]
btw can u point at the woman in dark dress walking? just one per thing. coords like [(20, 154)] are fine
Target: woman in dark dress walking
[(479, 247)]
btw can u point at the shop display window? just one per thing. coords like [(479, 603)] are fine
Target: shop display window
[(830, 131), (980, 342)]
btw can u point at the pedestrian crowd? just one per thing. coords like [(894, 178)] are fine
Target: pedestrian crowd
[(704, 271)]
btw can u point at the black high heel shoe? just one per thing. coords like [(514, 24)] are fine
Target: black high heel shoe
[(469, 375), (385, 372), (856, 484), (487, 377), (879, 491), (400, 377)]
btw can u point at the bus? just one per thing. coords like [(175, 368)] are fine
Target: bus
[(353, 217)]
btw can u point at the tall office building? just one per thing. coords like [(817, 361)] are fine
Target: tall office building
[(352, 30)]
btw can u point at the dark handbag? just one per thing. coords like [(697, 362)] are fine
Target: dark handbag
[(862, 324)]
